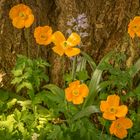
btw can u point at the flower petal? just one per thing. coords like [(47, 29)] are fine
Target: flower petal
[(74, 39), (72, 52), (109, 116), (112, 128), (14, 12), (121, 111), (78, 100), (104, 106), (43, 35), (29, 21), (68, 94), (120, 133), (75, 83), (126, 122), (113, 100), (18, 23), (58, 49), (58, 38), (131, 33), (83, 89)]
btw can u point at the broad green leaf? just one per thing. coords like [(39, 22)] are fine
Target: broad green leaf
[(86, 112), (55, 90), (135, 68), (93, 85), (94, 82), (89, 59)]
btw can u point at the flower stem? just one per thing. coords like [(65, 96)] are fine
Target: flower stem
[(74, 68), (102, 131)]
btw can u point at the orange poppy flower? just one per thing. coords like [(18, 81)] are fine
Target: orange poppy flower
[(111, 108), (119, 126), (63, 46), (134, 27), (43, 35), (21, 16), (76, 92)]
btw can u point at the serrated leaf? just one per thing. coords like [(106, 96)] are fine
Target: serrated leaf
[(17, 72), (82, 75), (68, 77), (103, 85), (23, 85), (16, 80)]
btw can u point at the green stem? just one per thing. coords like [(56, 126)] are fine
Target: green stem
[(111, 137), (63, 68), (102, 131), (74, 68)]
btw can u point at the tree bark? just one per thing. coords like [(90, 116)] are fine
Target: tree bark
[(108, 20)]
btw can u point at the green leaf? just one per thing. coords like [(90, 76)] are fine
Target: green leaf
[(93, 85), (17, 72), (135, 68), (68, 77), (95, 79), (56, 91), (23, 85), (89, 59), (137, 136), (11, 103), (16, 80), (103, 85), (82, 75), (86, 112), (4, 95)]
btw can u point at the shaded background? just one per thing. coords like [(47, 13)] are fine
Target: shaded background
[(108, 20)]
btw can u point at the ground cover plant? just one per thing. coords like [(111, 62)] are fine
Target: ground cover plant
[(97, 102)]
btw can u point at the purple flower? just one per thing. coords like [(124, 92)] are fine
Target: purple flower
[(79, 25)]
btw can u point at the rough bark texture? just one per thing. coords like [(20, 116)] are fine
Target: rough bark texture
[(108, 21)]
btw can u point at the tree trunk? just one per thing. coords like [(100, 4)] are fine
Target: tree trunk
[(108, 20)]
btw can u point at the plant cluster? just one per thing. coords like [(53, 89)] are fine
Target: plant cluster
[(90, 106)]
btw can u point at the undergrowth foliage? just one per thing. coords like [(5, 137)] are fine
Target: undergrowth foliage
[(100, 105)]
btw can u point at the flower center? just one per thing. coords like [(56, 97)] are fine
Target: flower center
[(112, 110), (136, 28), (75, 92), (23, 15), (118, 126), (43, 37), (65, 44)]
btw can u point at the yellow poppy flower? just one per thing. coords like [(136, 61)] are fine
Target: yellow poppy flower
[(119, 126), (76, 92), (111, 108), (43, 35), (134, 27), (21, 16), (63, 46)]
